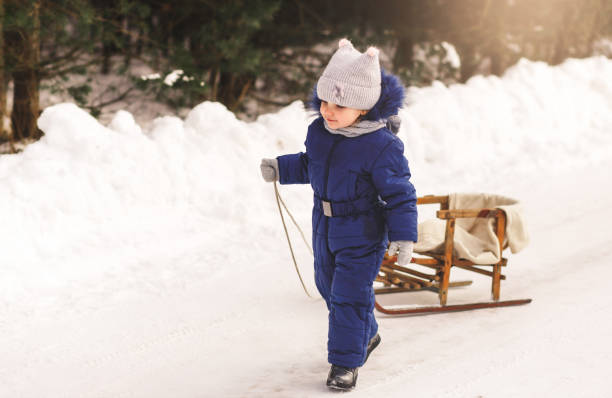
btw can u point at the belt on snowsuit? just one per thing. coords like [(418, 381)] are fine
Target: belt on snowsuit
[(346, 208)]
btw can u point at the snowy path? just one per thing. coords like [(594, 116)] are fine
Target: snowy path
[(163, 326)]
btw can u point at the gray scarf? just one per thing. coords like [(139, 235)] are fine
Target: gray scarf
[(355, 130), (366, 126)]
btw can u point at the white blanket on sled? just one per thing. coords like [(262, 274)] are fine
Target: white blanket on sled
[(475, 238)]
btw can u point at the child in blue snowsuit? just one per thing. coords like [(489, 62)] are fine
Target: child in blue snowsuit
[(363, 198)]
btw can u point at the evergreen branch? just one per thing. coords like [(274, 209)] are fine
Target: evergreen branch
[(118, 27)]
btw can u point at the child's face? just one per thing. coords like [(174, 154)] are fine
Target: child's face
[(337, 116)]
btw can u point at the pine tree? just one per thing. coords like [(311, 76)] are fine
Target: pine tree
[(215, 44), (23, 45), (2, 78)]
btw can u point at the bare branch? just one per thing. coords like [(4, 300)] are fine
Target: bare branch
[(271, 101), (120, 97)]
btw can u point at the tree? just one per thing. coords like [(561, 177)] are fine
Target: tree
[(215, 44), (23, 49), (230, 51), (2, 78), (46, 41)]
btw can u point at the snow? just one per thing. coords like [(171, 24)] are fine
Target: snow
[(175, 75), (150, 262), (451, 57), (151, 76)]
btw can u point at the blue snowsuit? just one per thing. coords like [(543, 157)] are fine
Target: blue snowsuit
[(364, 182)]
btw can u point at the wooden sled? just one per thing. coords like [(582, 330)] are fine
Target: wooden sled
[(398, 278)]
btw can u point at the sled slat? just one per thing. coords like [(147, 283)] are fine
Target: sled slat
[(480, 271), (448, 308), (412, 272), (402, 277)]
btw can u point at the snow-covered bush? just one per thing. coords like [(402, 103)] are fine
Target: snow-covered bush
[(431, 62)]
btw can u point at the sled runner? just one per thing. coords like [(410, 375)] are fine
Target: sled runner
[(463, 235)]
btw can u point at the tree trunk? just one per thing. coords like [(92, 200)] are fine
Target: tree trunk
[(107, 52), (404, 53), (2, 78), (469, 62), (233, 89), (26, 82), (127, 43), (563, 38)]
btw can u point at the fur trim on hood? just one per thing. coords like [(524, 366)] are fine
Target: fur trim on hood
[(391, 99)]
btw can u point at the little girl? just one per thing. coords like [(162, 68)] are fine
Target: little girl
[(362, 198)]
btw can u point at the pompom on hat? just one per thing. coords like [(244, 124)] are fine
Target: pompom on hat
[(351, 78)]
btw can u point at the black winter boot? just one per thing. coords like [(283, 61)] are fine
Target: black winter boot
[(374, 342), (341, 378)]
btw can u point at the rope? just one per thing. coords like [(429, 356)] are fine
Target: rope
[(279, 200)]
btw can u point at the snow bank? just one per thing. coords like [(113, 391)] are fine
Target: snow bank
[(534, 119), (84, 185)]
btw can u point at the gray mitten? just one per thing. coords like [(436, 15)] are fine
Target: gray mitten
[(269, 170), (403, 248)]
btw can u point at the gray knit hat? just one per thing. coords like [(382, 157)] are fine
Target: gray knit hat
[(351, 78)]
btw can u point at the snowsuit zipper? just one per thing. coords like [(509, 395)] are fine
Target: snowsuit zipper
[(328, 165)]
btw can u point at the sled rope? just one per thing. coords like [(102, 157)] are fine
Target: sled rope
[(279, 200)]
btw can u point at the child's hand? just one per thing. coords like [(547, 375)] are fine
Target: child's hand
[(403, 248), (269, 170)]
